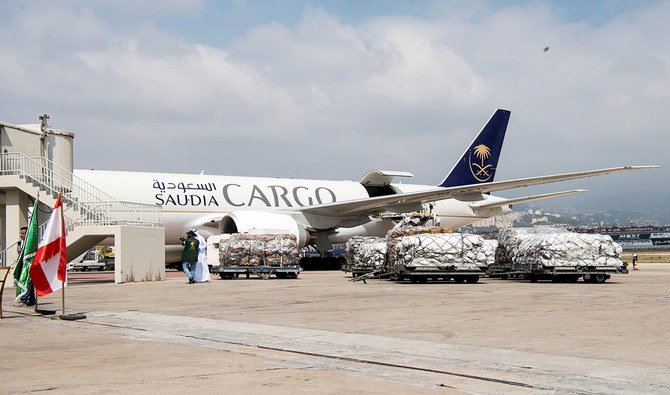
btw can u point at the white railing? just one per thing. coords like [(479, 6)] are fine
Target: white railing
[(115, 213), (3, 255), (85, 204)]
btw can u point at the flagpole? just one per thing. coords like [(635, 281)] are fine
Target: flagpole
[(36, 208), (37, 299), (62, 303)]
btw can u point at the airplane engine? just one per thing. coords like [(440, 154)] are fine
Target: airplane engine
[(264, 222)]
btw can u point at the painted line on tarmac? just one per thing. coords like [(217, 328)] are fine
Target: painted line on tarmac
[(334, 357), (393, 365), (517, 369)]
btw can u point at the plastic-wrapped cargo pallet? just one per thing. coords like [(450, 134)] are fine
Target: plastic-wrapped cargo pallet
[(435, 247), (255, 250), (395, 236), (569, 249), (352, 248), (365, 253), (509, 240), (490, 247), (523, 248), (462, 251)]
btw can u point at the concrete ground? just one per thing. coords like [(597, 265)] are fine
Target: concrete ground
[(324, 334)]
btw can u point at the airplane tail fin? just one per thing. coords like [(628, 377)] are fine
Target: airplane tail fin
[(479, 162)]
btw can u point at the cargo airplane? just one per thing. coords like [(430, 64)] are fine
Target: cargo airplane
[(323, 213)]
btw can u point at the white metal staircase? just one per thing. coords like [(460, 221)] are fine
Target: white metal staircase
[(84, 205)]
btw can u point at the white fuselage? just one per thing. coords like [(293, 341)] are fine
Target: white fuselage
[(187, 198)]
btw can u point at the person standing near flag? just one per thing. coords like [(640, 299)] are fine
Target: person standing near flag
[(25, 293), (28, 298), (22, 239)]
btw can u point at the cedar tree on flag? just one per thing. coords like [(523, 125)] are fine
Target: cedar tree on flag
[(49, 268)]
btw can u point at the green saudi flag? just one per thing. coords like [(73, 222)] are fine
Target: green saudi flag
[(22, 270)]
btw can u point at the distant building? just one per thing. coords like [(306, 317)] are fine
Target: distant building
[(634, 237)]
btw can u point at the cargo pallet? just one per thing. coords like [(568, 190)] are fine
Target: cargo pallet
[(559, 274), (424, 274), (230, 272)]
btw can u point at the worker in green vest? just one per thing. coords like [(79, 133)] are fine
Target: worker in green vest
[(189, 256)]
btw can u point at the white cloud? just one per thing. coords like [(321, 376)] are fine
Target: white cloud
[(419, 73), (147, 7), (327, 98)]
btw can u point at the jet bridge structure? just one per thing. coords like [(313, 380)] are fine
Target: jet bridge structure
[(36, 163)]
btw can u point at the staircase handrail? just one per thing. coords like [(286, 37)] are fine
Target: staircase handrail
[(3, 256), (81, 184), (116, 208), (78, 192)]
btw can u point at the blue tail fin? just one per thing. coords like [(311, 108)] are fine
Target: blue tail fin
[(479, 162)]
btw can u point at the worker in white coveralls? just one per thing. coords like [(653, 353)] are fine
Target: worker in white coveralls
[(201, 269)]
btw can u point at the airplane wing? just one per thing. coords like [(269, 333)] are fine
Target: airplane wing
[(525, 199), (374, 205)]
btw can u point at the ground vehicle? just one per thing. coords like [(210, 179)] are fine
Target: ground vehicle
[(92, 260), (313, 259), (107, 253)]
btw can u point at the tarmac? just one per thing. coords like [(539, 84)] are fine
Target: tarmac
[(322, 333)]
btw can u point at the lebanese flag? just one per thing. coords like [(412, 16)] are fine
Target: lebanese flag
[(49, 267)]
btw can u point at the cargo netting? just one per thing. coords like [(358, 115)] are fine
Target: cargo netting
[(255, 250), (365, 252), (551, 247), (457, 250)]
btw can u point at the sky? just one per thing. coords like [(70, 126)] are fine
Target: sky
[(332, 89)]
